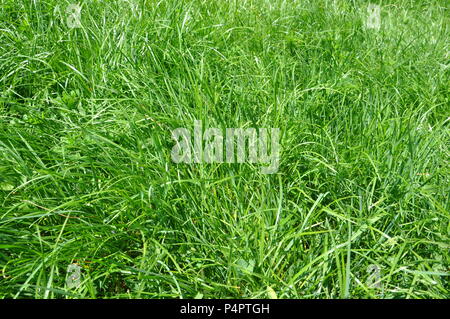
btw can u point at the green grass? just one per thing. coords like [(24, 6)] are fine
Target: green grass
[(85, 138)]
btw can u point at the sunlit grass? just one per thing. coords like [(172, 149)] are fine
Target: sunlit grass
[(86, 175)]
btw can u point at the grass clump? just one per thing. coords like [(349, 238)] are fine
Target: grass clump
[(86, 175)]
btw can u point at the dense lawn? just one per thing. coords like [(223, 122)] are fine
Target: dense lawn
[(86, 174)]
